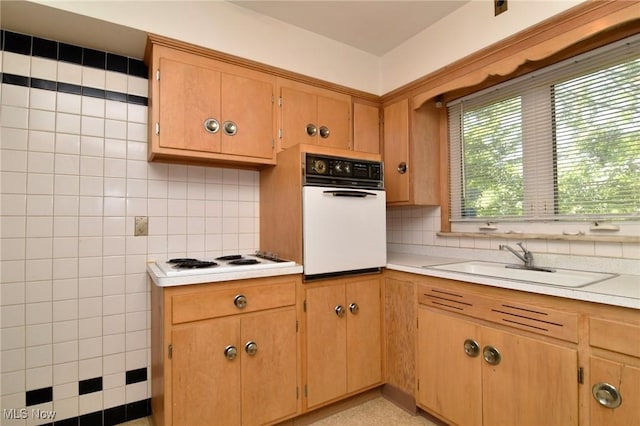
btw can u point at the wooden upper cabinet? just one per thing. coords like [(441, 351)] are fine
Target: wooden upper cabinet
[(396, 152), (313, 115), (411, 152), (205, 110), (366, 128)]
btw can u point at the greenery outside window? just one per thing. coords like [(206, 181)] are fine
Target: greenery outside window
[(561, 144)]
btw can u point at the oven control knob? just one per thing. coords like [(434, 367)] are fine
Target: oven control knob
[(347, 168), (320, 166), (338, 167)]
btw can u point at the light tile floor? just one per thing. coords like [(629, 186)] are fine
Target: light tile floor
[(377, 412)]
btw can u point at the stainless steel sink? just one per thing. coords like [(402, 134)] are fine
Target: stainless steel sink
[(559, 277)]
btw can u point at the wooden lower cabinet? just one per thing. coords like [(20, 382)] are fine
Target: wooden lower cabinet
[(614, 372), (224, 367), (525, 381), (343, 338)]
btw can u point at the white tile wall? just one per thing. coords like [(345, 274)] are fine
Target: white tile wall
[(419, 226), (74, 295)]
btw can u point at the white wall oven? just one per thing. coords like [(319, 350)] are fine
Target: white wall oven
[(343, 216)]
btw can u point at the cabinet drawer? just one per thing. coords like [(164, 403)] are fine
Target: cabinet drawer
[(217, 303), (615, 336), (536, 319)]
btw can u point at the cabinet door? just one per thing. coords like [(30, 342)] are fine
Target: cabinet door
[(535, 382), (626, 379), (247, 103), (334, 114), (364, 342), (189, 95), (269, 377), (366, 128), (205, 384), (449, 379), (326, 344), (396, 152), (298, 110)]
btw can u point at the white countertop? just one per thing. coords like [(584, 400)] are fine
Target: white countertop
[(621, 290), (162, 280)]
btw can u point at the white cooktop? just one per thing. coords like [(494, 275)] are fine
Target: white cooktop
[(222, 265)]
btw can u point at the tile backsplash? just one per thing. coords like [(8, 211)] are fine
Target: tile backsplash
[(74, 294)]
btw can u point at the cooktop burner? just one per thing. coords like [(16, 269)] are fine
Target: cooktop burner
[(242, 261), (191, 263)]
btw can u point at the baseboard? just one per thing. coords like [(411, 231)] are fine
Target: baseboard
[(400, 398)]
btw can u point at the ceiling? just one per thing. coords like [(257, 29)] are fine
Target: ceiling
[(372, 26)]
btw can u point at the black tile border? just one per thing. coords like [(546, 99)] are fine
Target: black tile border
[(136, 376), (89, 385), (30, 45), (39, 396), (74, 89), (110, 416)]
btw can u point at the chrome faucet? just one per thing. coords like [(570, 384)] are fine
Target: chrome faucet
[(526, 256)]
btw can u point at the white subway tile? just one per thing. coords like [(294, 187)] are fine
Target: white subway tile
[(12, 293), (12, 382), (39, 205), (14, 117), (113, 344), (38, 356), (92, 126), (116, 110), (115, 129), (15, 63), (89, 348), (116, 82), (14, 138), (40, 162), (39, 334), (67, 164), (90, 403), (65, 310), (69, 103), (38, 269), (17, 96), (42, 120), (42, 99), (39, 248), (114, 265), (93, 77), (12, 271), (67, 143), (68, 123), (65, 352), (137, 86), (91, 166), (40, 183), (65, 372), (65, 289), (93, 107), (113, 324), (66, 205), (69, 73), (38, 378), (65, 331), (115, 187), (12, 360)]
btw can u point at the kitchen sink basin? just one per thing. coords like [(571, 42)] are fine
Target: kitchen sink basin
[(559, 277)]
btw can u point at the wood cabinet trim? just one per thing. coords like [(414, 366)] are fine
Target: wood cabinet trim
[(254, 65)]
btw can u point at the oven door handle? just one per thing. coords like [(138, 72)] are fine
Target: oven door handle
[(349, 193)]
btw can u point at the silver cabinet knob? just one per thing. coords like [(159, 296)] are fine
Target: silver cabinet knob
[(354, 308), (230, 128), (606, 395), (471, 348), (491, 355), (402, 168), (311, 129), (230, 352), (251, 348), (339, 311), (211, 125), (240, 301), (324, 132)]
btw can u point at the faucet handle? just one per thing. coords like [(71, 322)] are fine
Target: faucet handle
[(522, 247)]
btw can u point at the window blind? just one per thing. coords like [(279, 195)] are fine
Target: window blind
[(561, 143)]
